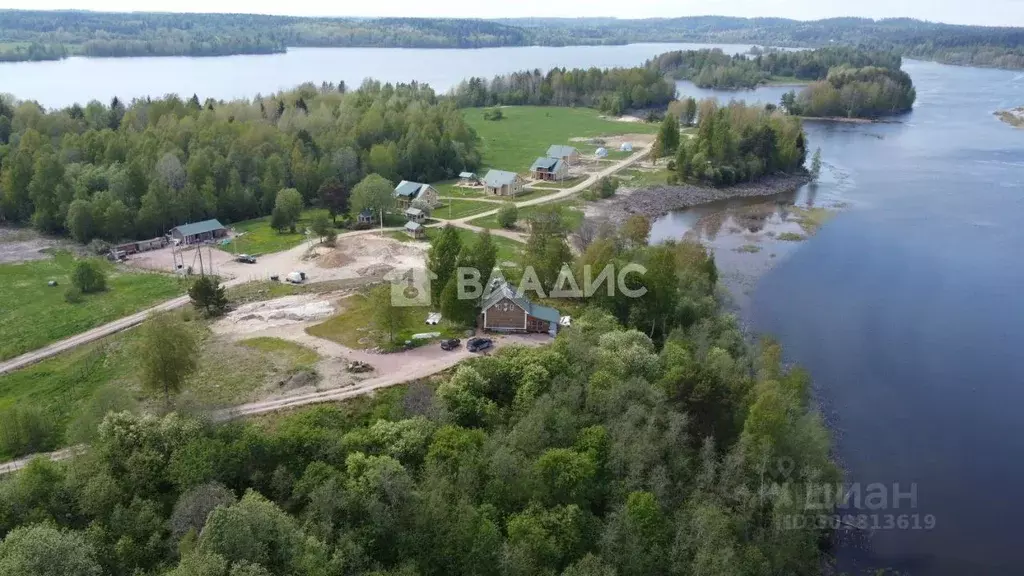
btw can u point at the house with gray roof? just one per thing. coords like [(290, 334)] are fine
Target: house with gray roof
[(567, 154), (505, 310), (197, 232), (549, 169), (407, 191), (503, 183)]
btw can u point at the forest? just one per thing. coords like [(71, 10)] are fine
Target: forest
[(868, 92), (612, 90), (137, 169), (715, 69), (740, 143), (37, 35), (606, 452)]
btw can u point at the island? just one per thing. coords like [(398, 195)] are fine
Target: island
[(712, 68), (1013, 117), (854, 93)]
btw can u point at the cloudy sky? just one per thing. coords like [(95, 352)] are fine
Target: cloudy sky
[(985, 12)]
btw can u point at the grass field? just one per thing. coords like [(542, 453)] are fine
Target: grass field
[(226, 373), (355, 327), (573, 216), (526, 132), (33, 314), (454, 209), (449, 189), (508, 250), (260, 238), (567, 183), (636, 178)]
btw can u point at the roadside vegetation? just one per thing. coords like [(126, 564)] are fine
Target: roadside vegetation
[(33, 314)]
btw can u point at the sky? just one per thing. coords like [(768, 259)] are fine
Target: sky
[(982, 12)]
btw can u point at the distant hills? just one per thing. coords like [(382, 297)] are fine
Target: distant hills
[(49, 35)]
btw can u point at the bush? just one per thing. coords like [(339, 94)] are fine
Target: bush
[(89, 277), (26, 430), (508, 215), (99, 247), (72, 295), (208, 295), (494, 114)]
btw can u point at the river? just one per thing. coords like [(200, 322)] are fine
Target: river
[(906, 307)]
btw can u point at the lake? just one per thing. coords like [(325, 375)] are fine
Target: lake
[(907, 310), (906, 307), (64, 82)]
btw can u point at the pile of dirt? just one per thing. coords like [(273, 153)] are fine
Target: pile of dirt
[(333, 259), (300, 379)]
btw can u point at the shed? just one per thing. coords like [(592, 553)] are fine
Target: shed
[(567, 154), (549, 169), (601, 153), (469, 179), (414, 229), (197, 232), (415, 215), (626, 147), (365, 217), (503, 183)]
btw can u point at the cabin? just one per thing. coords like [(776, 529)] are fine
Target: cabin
[(468, 179), (502, 183), (506, 311), (567, 154), (415, 229), (407, 191), (198, 232), (549, 169), (415, 215), (365, 217)]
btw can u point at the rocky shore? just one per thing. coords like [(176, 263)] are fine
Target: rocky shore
[(657, 200)]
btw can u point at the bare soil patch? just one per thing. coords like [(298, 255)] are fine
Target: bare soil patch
[(25, 244)]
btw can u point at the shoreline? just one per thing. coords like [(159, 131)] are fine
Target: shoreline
[(1014, 116), (845, 120), (655, 201)]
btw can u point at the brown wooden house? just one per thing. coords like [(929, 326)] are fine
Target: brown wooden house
[(506, 311)]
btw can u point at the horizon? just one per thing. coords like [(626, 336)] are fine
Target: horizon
[(992, 13)]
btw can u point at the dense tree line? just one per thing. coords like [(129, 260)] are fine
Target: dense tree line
[(135, 170), (608, 452), (35, 35), (740, 143), (715, 69), (610, 90), (855, 93)]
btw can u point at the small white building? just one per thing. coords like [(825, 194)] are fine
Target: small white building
[(601, 153), (626, 147)]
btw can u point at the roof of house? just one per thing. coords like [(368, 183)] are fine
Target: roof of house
[(408, 189), (414, 212), (543, 163), (198, 227), (499, 178), (467, 175), (561, 151), (413, 226), (536, 310)]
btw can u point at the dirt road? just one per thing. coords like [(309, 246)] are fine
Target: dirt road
[(417, 364)]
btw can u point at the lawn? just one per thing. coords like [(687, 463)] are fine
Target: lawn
[(356, 328), (259, 238), (450, 190), (33, 314), (526, 132), (567, 183), (454, 209), (573, 216), (637, 178), (227, 373)]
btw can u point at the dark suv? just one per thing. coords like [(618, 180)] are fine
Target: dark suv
[(452, 344), (479, 344)]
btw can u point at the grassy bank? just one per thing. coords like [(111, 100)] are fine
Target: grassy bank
[(33, 314), (526, 132)]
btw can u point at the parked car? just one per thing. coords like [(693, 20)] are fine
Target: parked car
[(245, 259), (479, 344), (451, 344)]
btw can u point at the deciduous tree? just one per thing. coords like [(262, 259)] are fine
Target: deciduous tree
[(167, 355)]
